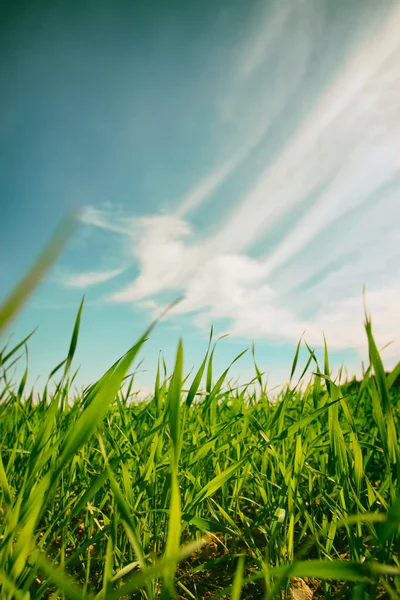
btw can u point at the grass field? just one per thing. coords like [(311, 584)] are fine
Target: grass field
[(202, 491)]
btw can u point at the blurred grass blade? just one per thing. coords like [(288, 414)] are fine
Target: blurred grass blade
[(64, 583), (238, 580), (335, 569), (6, 491), (392, 524), (18, 297), (138, 581), (174, 532), (394, 376)]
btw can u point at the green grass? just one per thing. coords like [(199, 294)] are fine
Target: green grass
[(202, 490)]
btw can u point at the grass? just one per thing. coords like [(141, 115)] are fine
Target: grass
[(202, 491)]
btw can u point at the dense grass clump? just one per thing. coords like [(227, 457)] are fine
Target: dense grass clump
[(201, 490), (300, 494)]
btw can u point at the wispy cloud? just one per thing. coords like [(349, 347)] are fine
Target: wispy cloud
[(207, 186), (340, 121), (104, 219), (83, 280), (265, 37), (346, 152)]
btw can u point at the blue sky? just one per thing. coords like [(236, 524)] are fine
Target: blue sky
[(243, 154)]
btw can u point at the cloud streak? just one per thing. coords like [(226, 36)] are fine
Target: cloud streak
[(327, 137), (346, 152), (103, 219), (90, 278)]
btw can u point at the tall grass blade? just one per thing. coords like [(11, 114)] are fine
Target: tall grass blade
[(74, 338)]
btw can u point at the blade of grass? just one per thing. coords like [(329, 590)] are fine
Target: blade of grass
[(15, 301)]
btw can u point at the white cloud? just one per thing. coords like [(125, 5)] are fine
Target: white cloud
[(348, 145), (164, 258), (250, 116), (104, 219), (334, 128), (83, 280), (272, 58), (265, 37), (148, 304)]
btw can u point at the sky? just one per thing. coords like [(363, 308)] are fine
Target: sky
[(242, 155)]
